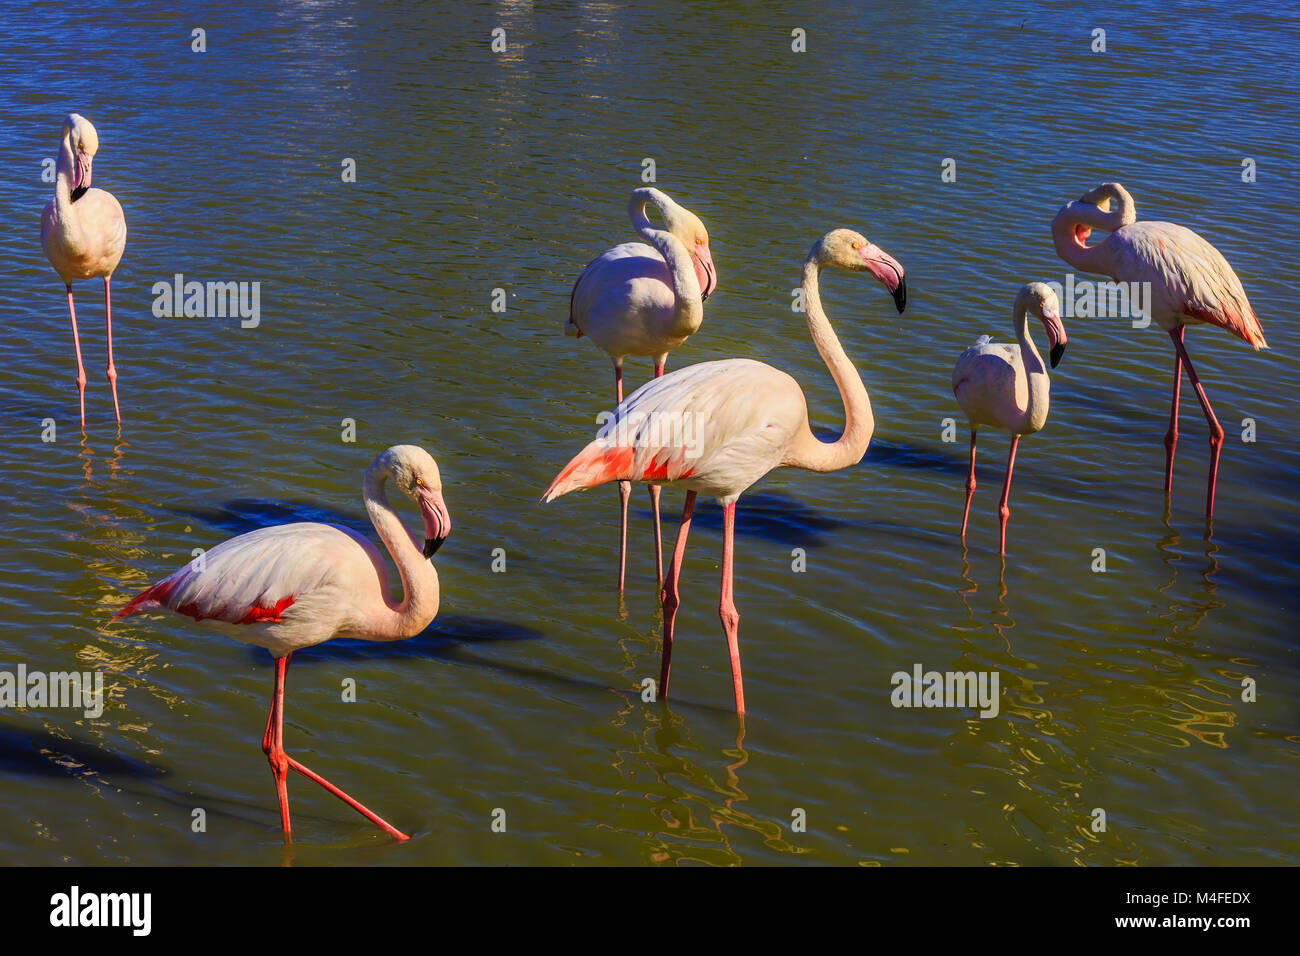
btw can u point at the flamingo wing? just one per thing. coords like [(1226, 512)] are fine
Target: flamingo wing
[(265, 576), (990, 384), (593, 278), (624, 300), (716, 427), (985, 359), (1188, 276)]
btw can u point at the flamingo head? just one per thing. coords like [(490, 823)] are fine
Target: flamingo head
[(1100, 197), (690, 231), (413, 470), (1040, 299), (851, 250), (84, 143)]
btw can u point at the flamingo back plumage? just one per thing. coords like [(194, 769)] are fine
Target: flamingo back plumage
[(287, 576), (1188, 276), (624, 301), (716, 427)]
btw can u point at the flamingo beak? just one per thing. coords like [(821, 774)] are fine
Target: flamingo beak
[(437, 520), (900, 295), (889, 271), (1056, 337), (81, 179), (704, 270)]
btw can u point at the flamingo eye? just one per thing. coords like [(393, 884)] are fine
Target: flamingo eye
[(856, 244)]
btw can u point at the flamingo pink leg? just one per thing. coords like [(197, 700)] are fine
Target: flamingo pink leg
[(654, 506), (970, 485), (727, 606), (111, 370), (1216, 430), (1171, 436), (273, 748), (624, 491), (81, 370), (281, 763), (671, 598), (1003, 511)]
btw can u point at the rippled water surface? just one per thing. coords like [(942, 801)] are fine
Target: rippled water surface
[(479, 170)]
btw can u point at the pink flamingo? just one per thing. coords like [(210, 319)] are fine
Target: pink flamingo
[(1007, 386), (296, 585), (1189, 281), (83, 233), (638, 299), (718, 427)]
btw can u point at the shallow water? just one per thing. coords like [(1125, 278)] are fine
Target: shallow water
[(478, 171)]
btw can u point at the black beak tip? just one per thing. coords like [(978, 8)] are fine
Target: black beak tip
[(900, 295), (1057, 351), (431, 546)]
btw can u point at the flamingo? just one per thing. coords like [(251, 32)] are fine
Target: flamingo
[(292, 586), (1006, 386), (1189, 279), (717, 427), (83, 233), (638, 299)]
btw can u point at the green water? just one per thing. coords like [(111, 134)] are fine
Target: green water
[(477, 171)]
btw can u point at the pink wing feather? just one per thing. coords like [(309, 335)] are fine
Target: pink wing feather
[(256, 577), (1188, 276), (719, 425)]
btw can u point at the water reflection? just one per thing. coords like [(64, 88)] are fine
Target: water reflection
[(1200, 608), (1037, 772), (86, 455), (694, 804), (1001, 621)]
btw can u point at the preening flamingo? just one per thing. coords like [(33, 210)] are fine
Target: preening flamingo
[(1006, 386), (296, 585), (1190, 281), (83, 233), (638, 299), (718, 427)]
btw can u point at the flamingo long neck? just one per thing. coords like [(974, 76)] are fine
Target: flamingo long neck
[(420, 593), (1099, 257), (65, 169), (1036, 372), (688, 310), (807, 451)]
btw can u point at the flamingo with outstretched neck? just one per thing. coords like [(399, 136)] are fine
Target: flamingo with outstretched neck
[(717, 427), (1007, 386), (645, 299), (292, 586), (83, 232), (1189, 279)]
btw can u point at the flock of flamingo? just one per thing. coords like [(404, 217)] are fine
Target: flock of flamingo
[(293, 586)]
